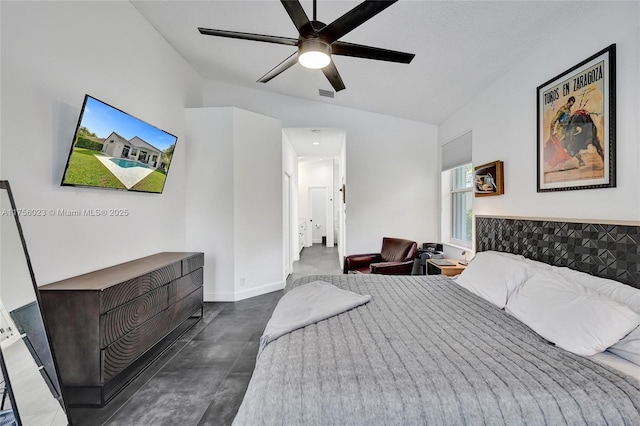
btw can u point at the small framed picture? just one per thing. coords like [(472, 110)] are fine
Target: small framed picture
[(488, 179)]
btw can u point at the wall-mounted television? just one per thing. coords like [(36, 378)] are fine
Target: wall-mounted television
[(112, 149)]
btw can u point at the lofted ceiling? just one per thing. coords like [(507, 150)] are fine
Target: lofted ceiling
[(461, 48)]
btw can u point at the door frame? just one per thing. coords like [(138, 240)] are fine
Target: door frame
[(288, 224)]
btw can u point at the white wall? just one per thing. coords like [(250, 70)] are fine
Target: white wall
[(503, 120), (209, 197), (391, 163), (392, 188), (234, 201), (258, 203), (52, 54)]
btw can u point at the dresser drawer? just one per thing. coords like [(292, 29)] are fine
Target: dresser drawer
[(123, 319), (185, 307), (119, 294), (191, 264), (120, 354), (183, 286), (161, 276), (116, 295)]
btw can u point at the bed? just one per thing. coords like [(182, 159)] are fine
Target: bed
[(427, 350)]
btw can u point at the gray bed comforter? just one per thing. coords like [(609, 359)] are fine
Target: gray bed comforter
[(426, 351), (307, 304)]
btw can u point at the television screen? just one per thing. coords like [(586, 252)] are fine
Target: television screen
[(112, 149)]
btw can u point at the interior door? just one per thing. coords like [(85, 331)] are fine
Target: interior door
[(318, 208)]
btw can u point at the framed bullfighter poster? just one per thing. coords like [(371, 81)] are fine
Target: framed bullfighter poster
[(576, 126)]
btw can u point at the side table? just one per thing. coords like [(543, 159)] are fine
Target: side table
[(448, 267)]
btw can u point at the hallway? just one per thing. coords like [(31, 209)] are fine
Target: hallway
[(316, 260)]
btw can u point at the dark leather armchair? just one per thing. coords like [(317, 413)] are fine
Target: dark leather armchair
[(395, 258)]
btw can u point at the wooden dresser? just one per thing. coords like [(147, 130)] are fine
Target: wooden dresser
[(108, 325)]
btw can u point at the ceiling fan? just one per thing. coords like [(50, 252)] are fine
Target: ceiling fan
[(318, 41)]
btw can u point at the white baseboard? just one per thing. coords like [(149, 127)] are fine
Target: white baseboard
[(245, 294), (219, 297)]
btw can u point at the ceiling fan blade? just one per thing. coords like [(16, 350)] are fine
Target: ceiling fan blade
[(332, 74), (249, 36), (359, 51), (283, 66), (352, 19), (298, 16)]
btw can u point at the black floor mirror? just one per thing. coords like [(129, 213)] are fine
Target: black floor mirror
[(31, 391)]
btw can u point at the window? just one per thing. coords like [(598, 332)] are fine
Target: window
[(456, 192), (461, 199)]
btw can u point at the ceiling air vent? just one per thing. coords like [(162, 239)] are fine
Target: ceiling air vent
[(326, 93)]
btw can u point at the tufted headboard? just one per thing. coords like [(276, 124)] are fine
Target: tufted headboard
[(605, 250)]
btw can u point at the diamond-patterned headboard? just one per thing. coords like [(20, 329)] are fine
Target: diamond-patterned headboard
[(604, 250)]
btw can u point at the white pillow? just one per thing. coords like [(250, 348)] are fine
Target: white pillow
[(507, 255), (534, 264), (493, 276), (571, 316), (614, 290), (628, 347), (539, 266)]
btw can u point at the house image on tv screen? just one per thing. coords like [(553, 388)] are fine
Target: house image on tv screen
[(134, 149)]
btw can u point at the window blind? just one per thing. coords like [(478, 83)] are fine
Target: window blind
[(456, 152)]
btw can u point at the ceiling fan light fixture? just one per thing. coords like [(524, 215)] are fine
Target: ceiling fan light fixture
[(317, 41), (314, 54)]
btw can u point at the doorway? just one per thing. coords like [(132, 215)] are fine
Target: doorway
[(318, 217), (315, 158)]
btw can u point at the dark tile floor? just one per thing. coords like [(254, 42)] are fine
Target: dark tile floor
[(201, 379)]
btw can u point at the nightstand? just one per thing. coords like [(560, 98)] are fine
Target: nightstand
[(448, 267)]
